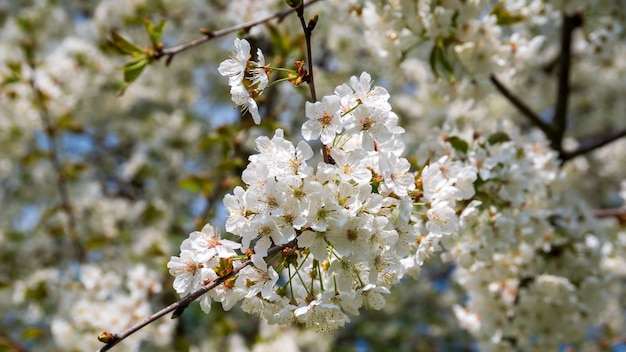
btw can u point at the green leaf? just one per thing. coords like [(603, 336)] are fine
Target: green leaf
[(14, 66), (195, 183), (150, 214), (25, 24), (458, 144), (37, 291), (443, 59), (66, 122), (154, 32), (96, 241), (432, 59), (294, 3), (31, 158), (439, 59), (375, 183), (72, 170), (132, 70), (15, 69), (498, 137), (503, 16), (479, 182), (32, 333), (123, 45), (158, 32)]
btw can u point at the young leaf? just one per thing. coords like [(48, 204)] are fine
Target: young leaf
[(132, 70), (15, 73), (503, 16), (432, 59), (123, 45), (443, 60), (458, 144), (154, 32), (196, 183), (498, 137)]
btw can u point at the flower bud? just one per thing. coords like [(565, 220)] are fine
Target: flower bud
[(312, 23), (106, 337), (294, 3)]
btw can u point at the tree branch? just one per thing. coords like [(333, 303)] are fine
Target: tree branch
[(179, 306), (307, 35), (618, 213), (208, 34), (595, 144), (53, 156), (559, 121), (522, 107), (308, 29)]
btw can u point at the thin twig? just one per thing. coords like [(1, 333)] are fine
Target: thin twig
[(618, 213), (560, 111), (53, 156), (522, 107), (208, 34), (307, 36), (586, 148), (308, 29), (179, 306)]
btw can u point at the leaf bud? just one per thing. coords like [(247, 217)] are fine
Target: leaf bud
[(312, 23), (294, 3)]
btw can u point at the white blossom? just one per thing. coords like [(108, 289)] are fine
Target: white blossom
[(235, 67)]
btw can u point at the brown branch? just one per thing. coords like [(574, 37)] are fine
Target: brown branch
[(179, 306), (208, 34), (522, 107), (559, 122), (307, 35), (53, 156), (590, 146), (308, 29), (618, 213)]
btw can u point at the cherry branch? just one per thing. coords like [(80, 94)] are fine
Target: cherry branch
[(53, 156), (308, 29), (555, 131), (593, 145), (560, 111), (618, 213), (179, 306), (208, 34), (522, 107)]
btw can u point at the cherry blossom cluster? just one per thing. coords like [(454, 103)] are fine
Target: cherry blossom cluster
[(528, 256), (358, 219), (91, 300), (537, 269)]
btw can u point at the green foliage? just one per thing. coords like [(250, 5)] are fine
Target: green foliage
[(498, 137), (15, 73), (439, 59), (458, 144), (197, 183), (141, 57), (132, 70), (294, 3), (123, 45), (155, 32), (504, 17)]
